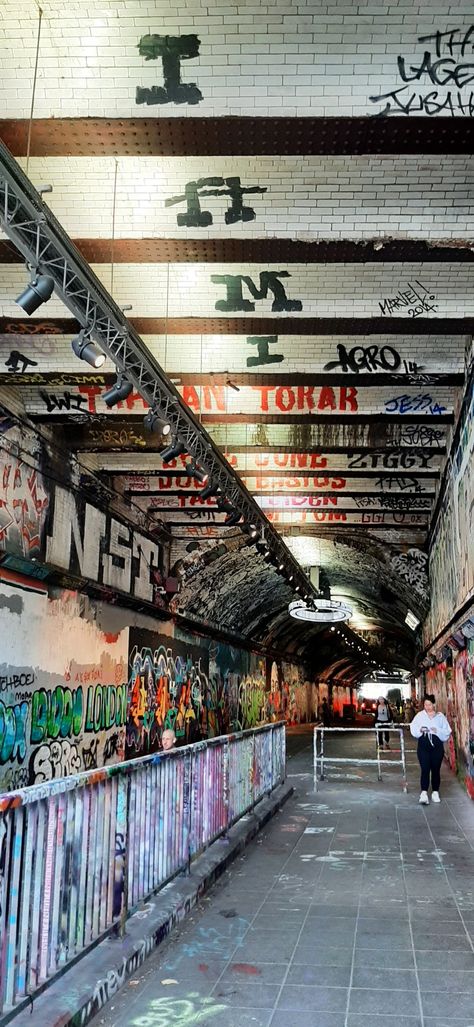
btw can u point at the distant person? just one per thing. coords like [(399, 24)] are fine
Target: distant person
[(326, 713), (410, 711), (168, 739), (432, 730), (383, 718)]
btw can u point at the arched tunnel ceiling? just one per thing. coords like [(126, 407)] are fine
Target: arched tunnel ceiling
[(306, 282)]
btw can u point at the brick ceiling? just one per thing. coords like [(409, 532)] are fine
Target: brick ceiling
[(333, 380)]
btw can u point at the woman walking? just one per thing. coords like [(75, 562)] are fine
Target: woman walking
[(431, 729), (383, 718)]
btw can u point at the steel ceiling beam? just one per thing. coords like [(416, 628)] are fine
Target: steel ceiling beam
[(48, 250)]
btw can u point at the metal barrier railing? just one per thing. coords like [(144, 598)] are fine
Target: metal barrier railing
[(319, 756), (78, 854)]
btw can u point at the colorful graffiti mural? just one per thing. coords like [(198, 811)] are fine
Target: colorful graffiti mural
[(202, 688), (49, 733), (200, 691), (23, 504), (464, 718), (450, 563), (57, 719)]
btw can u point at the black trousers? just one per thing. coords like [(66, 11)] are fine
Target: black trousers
[(430, 758), (382, 734)]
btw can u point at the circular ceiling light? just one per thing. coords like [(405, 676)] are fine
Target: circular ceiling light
[(322, 610)]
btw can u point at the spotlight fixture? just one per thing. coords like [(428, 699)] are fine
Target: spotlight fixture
[(87, 350), (117, 392), (170, 452), (251, 529), (153, 422), (37, 292), (232, 519), (197, 472), (225, 506), (211, 489)]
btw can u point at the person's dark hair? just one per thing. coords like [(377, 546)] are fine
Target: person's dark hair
[(430, 698)]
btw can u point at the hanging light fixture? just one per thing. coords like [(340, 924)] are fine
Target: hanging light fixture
[(37, 292), (211, 489), (250, 529), (119, 391), (154, 423), (172, 451), (194, 471), (232, 519), (87, 350), (224, 505), (321, 610)]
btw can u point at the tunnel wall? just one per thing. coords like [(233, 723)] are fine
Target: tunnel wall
[(84, 684), (451, 562), (452, 682), (202, 688), (63, 686)]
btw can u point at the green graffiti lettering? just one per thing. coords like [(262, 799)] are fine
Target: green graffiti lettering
[(39, 716), (111, 706), (66, 722), (13, 732), (55, 712), (89, 709), (121, 714), (98, 708), (77, 712)]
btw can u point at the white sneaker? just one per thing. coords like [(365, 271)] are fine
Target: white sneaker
[(435, 797), (424, 799)]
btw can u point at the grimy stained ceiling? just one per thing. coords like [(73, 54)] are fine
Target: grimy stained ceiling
[(290, 229)]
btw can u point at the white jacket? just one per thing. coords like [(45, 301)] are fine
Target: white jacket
[(438, 722)]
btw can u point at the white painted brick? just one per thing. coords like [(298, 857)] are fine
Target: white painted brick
[(366, 37), (401, 189)]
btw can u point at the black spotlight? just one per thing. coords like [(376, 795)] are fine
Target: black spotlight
[(87, 350), (209, 490), (172, 451), (251, 530), (225, 506), (196, 472), (37, 292), (153, 422), (232, 519), (119, 391)]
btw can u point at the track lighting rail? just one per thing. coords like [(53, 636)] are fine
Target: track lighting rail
[(48, 251)]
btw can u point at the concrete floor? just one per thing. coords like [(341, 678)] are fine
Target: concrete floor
[(353, 908)]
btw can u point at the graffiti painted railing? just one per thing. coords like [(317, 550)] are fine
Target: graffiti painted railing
[(78, 854)]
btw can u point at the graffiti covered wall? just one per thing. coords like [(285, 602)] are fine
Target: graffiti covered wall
[(52, 523), (464, 709), (202, 688), (24, 500), (451, 560), (453, 685), (63, 688)]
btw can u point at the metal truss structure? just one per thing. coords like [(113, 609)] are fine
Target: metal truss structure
[(48, 250)]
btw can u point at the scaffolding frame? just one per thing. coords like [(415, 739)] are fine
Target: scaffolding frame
[(320, 758)]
